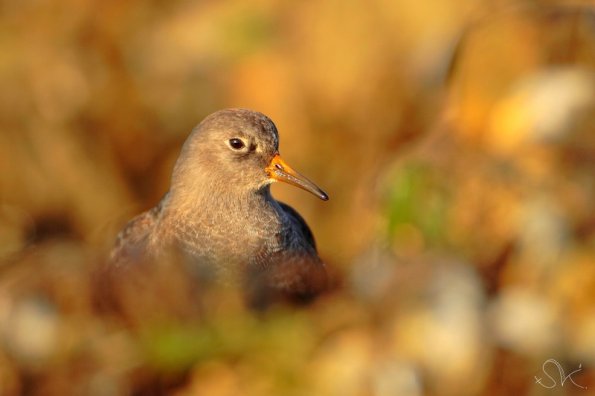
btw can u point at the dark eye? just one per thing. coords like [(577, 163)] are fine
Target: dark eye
[(237, 144)]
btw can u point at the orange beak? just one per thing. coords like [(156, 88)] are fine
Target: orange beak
[(278, 170)]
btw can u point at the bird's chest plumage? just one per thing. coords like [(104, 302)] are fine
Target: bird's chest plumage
[(228, 240)]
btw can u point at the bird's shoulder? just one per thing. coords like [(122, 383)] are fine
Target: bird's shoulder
[(295, 273), (299, 224), (132, 240)]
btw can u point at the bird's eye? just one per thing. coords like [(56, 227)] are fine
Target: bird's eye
[(236, 144)]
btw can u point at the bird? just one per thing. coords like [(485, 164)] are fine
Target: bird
[(220, 216)]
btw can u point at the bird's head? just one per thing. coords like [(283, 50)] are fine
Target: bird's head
[(235, 149)]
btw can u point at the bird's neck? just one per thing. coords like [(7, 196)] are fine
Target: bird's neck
[(228, 212)]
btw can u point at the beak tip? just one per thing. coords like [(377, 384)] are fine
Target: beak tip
[(278, 170)]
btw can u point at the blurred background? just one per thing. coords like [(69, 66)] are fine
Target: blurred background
[(455, 138)]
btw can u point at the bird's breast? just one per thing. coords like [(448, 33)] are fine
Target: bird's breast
[(227, 243)]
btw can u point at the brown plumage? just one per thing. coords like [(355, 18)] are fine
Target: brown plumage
[(220, 216)]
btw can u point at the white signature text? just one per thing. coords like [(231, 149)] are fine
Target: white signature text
[(551, 383)]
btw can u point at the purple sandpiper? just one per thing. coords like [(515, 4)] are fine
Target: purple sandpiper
[(220, 215)]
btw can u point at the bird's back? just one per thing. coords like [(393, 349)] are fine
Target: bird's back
[(132, 241), (299, 225), (294, 272)]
